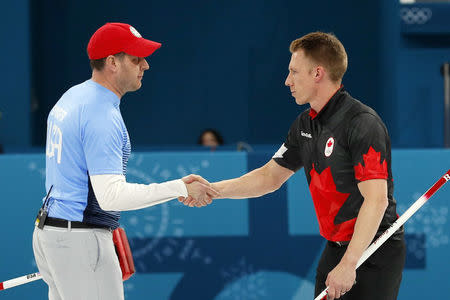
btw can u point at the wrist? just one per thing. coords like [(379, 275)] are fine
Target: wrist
[(216, 187), (350, 260), (183, 187)]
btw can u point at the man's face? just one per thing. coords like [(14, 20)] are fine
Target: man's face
[(130, 73), (300, 79)]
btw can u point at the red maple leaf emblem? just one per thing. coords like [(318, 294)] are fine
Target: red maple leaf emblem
[(373, 167), (330, 143), (327, 202)]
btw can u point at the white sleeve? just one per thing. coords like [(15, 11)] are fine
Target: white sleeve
[(114, 193)]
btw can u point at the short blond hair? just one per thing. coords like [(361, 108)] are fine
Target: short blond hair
[(325, 49)]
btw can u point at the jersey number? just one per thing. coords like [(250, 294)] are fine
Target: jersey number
[(54, 142)]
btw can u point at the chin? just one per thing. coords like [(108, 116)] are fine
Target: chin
[(136, 87), (300, 102)]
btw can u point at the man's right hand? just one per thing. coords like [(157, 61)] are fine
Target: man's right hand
[(200, 192)]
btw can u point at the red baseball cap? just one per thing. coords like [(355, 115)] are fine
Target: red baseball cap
[(113, 38)]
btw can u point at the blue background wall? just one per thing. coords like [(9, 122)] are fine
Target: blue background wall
[(15, 76), (265, 248), (223, 65), (412, 52)]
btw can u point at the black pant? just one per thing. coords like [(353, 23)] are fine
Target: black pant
[(378, 278)]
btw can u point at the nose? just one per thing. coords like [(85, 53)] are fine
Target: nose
[(287, 82), (145, 65)]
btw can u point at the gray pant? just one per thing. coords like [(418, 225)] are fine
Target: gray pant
[(78, 264)]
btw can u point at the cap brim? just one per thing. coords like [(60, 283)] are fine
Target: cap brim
[(142, 48)]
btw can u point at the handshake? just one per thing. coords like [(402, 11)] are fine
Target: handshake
[(200, 191)]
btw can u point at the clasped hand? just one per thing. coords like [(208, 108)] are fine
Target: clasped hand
[(200, 192)]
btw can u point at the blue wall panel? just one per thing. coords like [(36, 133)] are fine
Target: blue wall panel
[(222, 64), (264, 248), (411, 85), (15, 77)]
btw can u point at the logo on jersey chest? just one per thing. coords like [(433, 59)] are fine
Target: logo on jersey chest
[(329, 146), (305, 134)]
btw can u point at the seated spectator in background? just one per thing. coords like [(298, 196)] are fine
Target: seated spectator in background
[(210, 137)]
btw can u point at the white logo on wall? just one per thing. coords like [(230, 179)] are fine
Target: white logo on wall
[(415, 15), (155, 221), (243, 282), (431, 220), (135, 32), (329, 146), (33, 166)]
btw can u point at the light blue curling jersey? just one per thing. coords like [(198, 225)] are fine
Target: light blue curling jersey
[(86, 136)]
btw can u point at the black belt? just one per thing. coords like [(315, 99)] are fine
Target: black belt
[(55, 222), (339, 244)]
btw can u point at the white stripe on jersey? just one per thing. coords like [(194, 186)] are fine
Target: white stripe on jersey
[(280, 152)]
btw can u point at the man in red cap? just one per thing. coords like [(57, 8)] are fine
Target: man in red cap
[(121, 46), (86, 158)]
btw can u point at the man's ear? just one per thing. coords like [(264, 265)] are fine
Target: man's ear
[(111, 63), (319, 73)]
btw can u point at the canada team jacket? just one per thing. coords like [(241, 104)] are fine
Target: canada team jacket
[(342, 145)]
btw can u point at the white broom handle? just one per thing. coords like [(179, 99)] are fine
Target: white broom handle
[(19, 280)]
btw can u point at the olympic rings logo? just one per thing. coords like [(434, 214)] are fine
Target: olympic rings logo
[(415, 15)]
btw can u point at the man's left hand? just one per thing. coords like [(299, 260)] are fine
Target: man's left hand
[(340, 280)]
